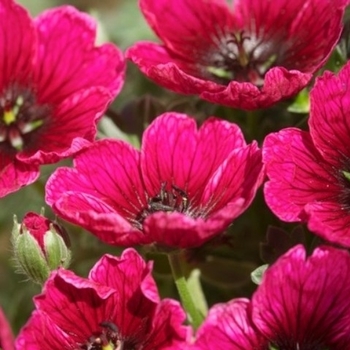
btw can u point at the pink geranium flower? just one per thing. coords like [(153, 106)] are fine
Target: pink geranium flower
[(117, 307), (181, 189), (249, 56), (310, 171), (55, 84), (303, 303)]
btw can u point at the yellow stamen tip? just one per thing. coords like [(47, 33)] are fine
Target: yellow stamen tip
[(9, 117)]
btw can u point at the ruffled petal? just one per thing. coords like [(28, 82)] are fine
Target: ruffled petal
[(69, 300), (137, 292), (157, 64), (14, 174), (68, 60), (298, 174), (181, 231), (279, 83)]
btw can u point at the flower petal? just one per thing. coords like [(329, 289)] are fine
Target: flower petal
[(183, 24), (67, 59), (6, 336), (14, 174), (329, 116), (298, 174), (237, 178), (71, 127), (177, 135), (41, 333), (75, 305), (17, 44), (279, 83), (156, 63), (304, 301), (228, 326)]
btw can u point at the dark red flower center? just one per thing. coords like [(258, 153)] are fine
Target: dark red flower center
[(21, 117), (167, 200), (241, 57), (109, 338)]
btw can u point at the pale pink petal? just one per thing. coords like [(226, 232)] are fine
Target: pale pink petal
[(69, 60), (297, 174), (228, 326)]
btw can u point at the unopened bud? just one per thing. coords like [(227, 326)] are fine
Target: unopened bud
[(40, 246)]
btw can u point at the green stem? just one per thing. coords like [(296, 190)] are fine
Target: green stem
[(195, 316)]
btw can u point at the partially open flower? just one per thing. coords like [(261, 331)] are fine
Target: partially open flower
[(248, 56), (116, 308), (184, 187), (40, 246)]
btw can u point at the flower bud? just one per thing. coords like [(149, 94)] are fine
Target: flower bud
[(40, 246)]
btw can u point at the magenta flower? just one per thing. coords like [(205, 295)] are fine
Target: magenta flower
[(54, 86), (117, 307), (248, 57), (7, 341), (303, 303), (181, 189), (310, 171)]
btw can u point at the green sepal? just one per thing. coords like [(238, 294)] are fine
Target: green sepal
[(258, 274), (29, 257), (57, 253)]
